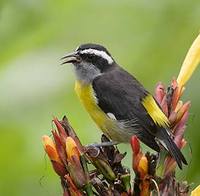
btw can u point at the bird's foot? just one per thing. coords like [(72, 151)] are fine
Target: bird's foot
[(103, 144)]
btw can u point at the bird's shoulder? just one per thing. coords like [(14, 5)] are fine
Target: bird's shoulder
[(120, 82), (120, 93)]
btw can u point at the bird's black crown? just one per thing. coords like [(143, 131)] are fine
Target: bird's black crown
[(92, 46)]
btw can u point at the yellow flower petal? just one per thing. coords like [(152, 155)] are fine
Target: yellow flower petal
[(143, 166), (196, 191), (190, 63), (71, 148)]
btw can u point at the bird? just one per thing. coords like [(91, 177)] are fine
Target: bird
[(117, 102)]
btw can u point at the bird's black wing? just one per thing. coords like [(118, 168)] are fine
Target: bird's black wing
[(121, 94)]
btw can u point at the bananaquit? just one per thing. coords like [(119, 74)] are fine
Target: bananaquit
[(117, 102)]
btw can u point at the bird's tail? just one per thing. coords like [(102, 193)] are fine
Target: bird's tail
[(174, 151)]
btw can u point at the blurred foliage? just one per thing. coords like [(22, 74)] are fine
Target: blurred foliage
[(150, 39)]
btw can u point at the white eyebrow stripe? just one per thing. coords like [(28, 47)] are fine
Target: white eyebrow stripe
[(98, 53)]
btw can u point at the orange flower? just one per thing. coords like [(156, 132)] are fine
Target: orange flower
[(71, 148), (60, 147), (50, 148), (140, 167), (74, 163), (143, 166), (140, 162)]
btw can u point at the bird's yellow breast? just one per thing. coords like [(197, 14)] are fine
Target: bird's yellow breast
[(109, 126), (87, 97)]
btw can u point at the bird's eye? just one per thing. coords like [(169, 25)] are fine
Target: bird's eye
[(89, 57)]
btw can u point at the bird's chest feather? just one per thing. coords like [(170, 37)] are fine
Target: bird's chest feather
[(87, 97), (109, 126)]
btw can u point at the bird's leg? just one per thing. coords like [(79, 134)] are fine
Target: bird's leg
[(109, 143)]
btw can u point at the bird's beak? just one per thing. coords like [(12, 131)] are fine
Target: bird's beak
[(72, 57)]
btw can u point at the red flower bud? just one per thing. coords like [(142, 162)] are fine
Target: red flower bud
[(61, 130), (159, 92), (135, 144)]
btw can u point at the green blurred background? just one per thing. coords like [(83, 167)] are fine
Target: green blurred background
[(149, 38)]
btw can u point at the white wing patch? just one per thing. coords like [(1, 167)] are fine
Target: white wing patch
[(111, 116), (98, 53)]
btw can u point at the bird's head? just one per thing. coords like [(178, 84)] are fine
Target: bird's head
[(89, 60)]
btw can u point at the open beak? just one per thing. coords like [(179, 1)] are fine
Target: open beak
[(72, 57)]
